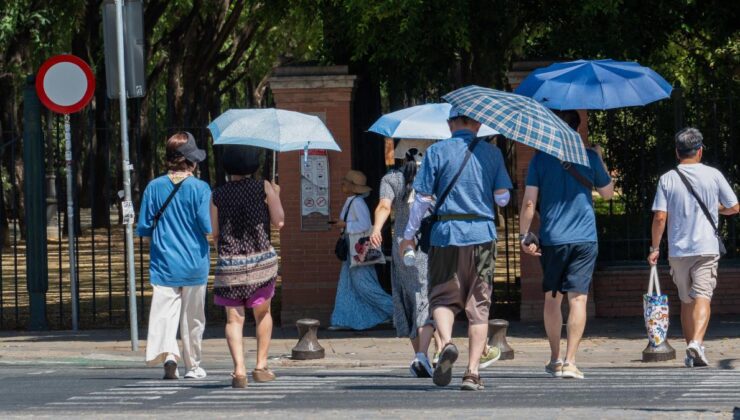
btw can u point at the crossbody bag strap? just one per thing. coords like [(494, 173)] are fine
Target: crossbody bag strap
[(447, 190), (577, 175), (161, 210), (698, 199), (346, 214)]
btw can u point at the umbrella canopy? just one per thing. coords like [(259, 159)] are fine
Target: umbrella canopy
[(521, 119), (595, 84), (271, 128), (426, 122)]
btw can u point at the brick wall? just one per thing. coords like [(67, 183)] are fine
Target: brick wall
[(309, 269), (618, 291)]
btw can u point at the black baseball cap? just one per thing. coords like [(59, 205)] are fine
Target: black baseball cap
[(190, 150)]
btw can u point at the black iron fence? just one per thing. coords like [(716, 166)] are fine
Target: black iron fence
[(639, 148), (638, 144), (101, 276)]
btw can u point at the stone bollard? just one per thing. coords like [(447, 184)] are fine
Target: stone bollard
[(660, 353), (497, 337), (308, 346)]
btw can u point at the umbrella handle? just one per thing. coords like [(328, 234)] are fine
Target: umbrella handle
[(274, 161)]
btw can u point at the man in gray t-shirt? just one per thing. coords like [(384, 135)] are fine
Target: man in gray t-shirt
[(693, 246)]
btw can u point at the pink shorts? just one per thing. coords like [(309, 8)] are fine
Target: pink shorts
[(259, 297)]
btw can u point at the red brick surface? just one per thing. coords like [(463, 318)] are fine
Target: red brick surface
[(310, 270), (618, 291)]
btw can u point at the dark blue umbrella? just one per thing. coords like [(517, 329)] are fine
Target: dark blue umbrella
[(594, 84)]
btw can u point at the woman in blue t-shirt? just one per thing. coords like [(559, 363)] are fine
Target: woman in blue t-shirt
[(175, 215)]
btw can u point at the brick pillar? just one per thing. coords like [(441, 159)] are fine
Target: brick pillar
[(309, 269), (531, 271)]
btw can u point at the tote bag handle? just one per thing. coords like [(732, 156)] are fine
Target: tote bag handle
[(654, 281)]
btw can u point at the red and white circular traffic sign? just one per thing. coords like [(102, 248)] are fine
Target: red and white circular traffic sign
[(65, 84)]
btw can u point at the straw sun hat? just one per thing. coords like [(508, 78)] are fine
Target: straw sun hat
[(356, 181)]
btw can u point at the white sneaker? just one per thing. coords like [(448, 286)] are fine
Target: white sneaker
[(696, 352), (688, 362), (196, 373)]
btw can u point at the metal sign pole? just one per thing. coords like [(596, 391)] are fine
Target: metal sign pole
[(71, 221), (126, 166)]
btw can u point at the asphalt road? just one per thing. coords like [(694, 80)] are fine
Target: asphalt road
[(95, 391)]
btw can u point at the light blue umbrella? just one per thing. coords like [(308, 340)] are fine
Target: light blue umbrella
[(427, 122), (521, 119), (270, 128), (594, 84)]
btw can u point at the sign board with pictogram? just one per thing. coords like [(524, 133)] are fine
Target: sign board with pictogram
[(315, 213)]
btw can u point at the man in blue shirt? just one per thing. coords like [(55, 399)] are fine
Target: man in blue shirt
[(463, 240), (568, 241), (175, 214)]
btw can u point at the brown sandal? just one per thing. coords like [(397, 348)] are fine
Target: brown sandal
[(263, 375), (471, 382), (238, 381)]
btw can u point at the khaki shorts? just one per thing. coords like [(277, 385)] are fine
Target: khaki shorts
[(460, 279), (694, 276)]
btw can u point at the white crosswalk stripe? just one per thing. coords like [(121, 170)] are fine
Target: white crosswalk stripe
[(215, 386), (679, 387)]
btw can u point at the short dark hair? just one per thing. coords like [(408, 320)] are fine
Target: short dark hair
[(570, 117), (463, 118), (241, 160), (175, 160)]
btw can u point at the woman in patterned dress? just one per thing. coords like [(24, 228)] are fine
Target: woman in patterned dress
[(411, 306), (361, 302), (246, 271)]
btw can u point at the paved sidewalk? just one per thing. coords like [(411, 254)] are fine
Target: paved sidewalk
[(607, 343)]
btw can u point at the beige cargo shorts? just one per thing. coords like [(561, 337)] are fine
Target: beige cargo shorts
[(694, 276)]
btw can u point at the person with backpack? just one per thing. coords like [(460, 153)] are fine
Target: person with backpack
[(175, 215), (689, 199)]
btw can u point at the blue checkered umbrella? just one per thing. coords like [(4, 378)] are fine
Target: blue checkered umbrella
[(521, 119)]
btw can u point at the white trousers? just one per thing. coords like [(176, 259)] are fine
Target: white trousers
[(173, 306)]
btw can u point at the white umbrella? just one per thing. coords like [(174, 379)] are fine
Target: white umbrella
[(424, 122), (270, 128)]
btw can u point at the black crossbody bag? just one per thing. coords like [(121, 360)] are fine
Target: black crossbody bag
[(341, 249), (705, 210), (424, 236), (161, 210)]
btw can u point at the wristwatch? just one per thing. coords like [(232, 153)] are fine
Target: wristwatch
[(656, 249)]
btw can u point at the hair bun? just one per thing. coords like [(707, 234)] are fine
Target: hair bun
[(411, 154)]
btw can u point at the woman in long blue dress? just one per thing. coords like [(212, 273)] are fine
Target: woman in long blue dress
[(360, 303)]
